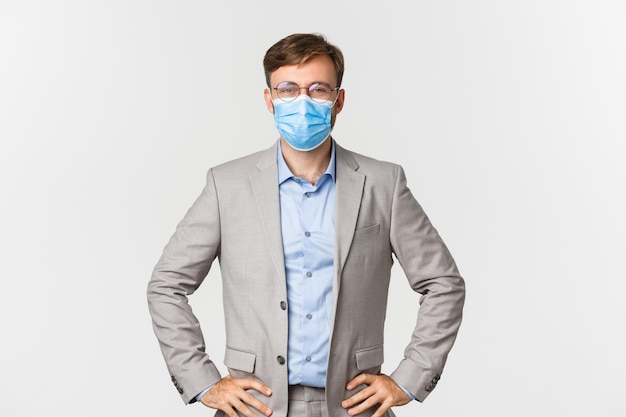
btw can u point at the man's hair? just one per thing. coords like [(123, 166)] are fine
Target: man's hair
[(298, 48)]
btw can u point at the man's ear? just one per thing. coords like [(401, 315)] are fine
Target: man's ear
[(341, 95), (268, 100)]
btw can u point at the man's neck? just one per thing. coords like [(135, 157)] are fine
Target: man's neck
[(309, 165)]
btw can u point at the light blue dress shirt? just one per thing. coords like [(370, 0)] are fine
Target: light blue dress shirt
[(307, 214)]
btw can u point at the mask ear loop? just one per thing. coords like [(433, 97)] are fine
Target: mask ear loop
[(270, 89)]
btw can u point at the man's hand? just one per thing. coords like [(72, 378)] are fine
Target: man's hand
[(230, 396), (381, 390)]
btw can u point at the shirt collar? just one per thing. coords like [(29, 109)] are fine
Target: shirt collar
[(284, 173)]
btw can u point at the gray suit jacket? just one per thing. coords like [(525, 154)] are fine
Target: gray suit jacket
[(236, 219)]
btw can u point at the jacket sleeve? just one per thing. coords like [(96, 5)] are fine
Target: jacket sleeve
[(432, 272), (184, 264)]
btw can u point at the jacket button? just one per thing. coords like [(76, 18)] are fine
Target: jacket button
[(283, 305), (280, 360)]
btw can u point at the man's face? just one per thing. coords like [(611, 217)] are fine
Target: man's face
[(319, 68)]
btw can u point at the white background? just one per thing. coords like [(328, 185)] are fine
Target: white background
[(508, 117)]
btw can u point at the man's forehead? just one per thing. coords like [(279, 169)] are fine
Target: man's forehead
[(317, 68)]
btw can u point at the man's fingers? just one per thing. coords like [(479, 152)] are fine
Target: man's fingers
[(356, 398), (368, 403), (358, 380), (230, 395), (250, 400), (255, 385), (230, 412), (242, 407), (381, 410), (380, 389)]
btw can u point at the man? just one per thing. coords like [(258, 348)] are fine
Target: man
[(305, 232)]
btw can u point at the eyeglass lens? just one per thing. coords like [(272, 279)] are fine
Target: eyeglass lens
[(317, 91)]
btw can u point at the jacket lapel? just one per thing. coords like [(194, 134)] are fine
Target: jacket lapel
[(265, 187), (349, 194)]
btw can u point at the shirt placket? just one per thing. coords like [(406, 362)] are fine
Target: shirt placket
[(308, 275)]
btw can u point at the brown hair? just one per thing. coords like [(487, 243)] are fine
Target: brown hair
[(298, 48)]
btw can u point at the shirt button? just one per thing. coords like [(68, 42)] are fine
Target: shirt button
[(308, 359), (307, 234), (309, 316), (307, 194), (283, 305), (309, 274), (280, 360)]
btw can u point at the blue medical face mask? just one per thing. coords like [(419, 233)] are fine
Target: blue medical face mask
[(303, 123)]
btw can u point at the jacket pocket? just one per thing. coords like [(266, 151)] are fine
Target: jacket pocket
[(240, 360), (371, 357)]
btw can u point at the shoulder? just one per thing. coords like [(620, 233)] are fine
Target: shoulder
[(367, 164), (246, 165)]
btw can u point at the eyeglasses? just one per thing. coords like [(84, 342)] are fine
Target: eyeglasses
[(288, 91)]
